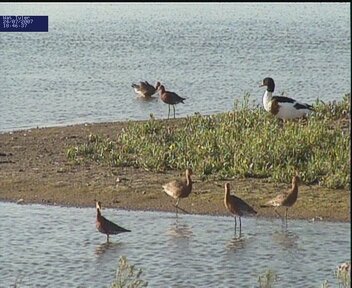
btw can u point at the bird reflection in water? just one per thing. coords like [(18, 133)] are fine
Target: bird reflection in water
[(286, 239), (179, 230), (107, 247), (236, 243)]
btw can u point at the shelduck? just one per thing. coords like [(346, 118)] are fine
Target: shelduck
[(282, 107)]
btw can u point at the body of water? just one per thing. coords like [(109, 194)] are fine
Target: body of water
[(210, 53), (51, 246)]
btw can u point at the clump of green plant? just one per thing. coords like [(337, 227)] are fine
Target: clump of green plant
[(245, 142), (128, 276), (267, 279)]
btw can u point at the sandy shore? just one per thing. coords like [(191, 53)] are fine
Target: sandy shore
[(34, 167)]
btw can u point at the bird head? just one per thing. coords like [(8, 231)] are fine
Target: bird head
[(269, 83), (98, 205)]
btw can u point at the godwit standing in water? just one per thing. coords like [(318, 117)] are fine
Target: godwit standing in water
[(286, 199), (105, 226), (170, 98), (236, 206), (178, 189), (144, 89), (283, 107)]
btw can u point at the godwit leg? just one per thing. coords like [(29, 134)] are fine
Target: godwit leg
[(176, 205), (168, 115), (240, 226), (107, 238), (235, 224), (286, 216), (278, 214), (173, 106)]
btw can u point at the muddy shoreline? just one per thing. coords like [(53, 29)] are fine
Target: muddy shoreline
[(34, 169)]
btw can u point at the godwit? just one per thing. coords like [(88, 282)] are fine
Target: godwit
[(144, 89), (286, 199), (283, 107), (236, 206), (170, 98), (105, 226), (178, 189)]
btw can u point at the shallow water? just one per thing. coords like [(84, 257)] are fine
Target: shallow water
[(51, 246), (210, 53)]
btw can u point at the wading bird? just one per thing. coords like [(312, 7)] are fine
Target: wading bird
[(236, 206), (169, 98), (282, 107), (286, 199), (145, 89), (178, 189), (105, 226)]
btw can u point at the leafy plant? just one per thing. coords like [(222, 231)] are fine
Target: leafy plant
[(128, 276)]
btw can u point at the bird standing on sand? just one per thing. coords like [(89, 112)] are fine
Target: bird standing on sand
[(283, 107), (286, 199), (236, 206), (170, 98), (105, 226), (145, 89), (179, 188)]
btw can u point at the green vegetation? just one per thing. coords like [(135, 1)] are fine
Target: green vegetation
[(128, 276), (267, 279), (246, 142)]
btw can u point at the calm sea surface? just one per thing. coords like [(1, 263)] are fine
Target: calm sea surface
[(210, 53), (51, 246)]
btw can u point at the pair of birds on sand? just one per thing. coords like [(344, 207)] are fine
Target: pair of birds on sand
[(147, 90), (178, 189), (282, 107)]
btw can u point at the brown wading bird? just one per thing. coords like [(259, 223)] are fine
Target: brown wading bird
[(144, 89), (105, 226), (286, 199), (236, 206), (179, 188), (170, 98)]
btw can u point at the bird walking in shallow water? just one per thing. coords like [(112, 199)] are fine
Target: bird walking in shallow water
[(282, 107), (178, 189), (286, 199), (237, 206), (170, 98), (105, 226), (145, 89)]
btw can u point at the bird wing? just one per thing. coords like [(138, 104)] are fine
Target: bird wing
[(243, 206), (297, 105), (112, 228), (174, 187), (284, 99), (277, 201)]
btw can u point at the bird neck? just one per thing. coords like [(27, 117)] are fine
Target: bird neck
[(294, 188), (98, 213), (188, 180), (267, 99), (227, 194)]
